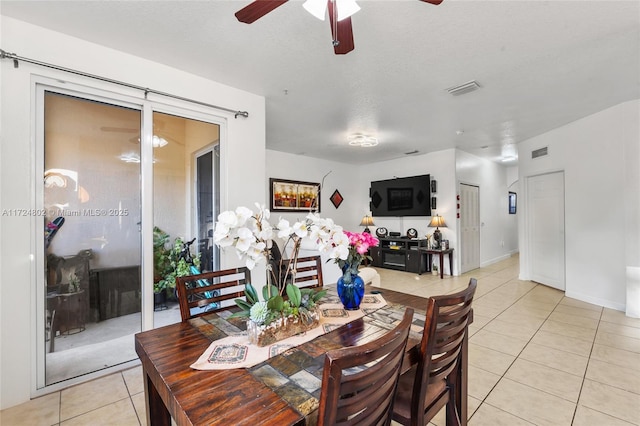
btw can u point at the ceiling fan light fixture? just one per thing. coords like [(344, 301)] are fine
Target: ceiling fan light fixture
[(317, 8), (346, 8), (158, 142), (362, 140)]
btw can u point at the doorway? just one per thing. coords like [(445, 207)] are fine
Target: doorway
[(545, 205), (469, 227)]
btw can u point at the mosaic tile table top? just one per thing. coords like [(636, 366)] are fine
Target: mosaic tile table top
[(295, 374)]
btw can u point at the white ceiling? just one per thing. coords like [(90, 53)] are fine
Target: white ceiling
[(540, 65)]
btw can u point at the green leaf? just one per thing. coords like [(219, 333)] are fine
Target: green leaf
[(251, 294), (243, 304), (265, 291), (319, 295), (240, 314), (276, 303), (294, 295)]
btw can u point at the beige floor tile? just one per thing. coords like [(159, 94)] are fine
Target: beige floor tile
[(612, 401), (622, 330), (613, 375), (120, 413), (564, 343), (488, 359), (487, 415), (139, 405), (572, 319), (526, 402), (487, 310), (619, 317), (534, 305), (588, 417), (520, 320), (568, 301), (617, 341), (547, 379), (133, 379), (499, 342), (569, 330), (554, 358), (44, 410), (579, 312), (528, 311), (616, 356), (507, 329), (89, 396), (480, 382)]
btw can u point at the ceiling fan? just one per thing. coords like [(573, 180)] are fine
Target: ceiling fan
[(341, 30)]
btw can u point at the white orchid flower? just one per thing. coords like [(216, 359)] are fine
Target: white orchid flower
[(245, 239), (243, 215), (300, 229), (284, 229), (228, 219)]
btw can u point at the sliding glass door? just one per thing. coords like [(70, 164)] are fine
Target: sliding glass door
[(92, 234), (119, 184)]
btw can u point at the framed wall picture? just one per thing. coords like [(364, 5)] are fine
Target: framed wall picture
[(293, 195), (434, 203), (512, 202), (434, 186)]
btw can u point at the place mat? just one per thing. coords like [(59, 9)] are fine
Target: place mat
[(235, 351)]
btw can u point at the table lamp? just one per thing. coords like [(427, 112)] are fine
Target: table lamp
[(437, 221), (367, 221)]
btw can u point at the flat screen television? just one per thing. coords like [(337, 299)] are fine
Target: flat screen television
[(408, 196)]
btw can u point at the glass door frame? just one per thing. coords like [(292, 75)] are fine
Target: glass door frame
[(117, 96)]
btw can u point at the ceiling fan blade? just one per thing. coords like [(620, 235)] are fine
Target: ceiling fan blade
[(256, 10), (434, 2), (342, 33)]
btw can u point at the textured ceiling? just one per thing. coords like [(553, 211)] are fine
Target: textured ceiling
[(540, 65)]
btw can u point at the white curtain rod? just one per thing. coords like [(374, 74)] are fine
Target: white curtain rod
[(15, 58)]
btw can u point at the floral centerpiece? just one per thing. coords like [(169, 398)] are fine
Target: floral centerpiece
[(351, 285), (252, 236)]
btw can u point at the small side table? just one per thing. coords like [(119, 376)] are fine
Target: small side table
[(430, 252)]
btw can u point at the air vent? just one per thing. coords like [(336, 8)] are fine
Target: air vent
[(467, 87), (539, 152)]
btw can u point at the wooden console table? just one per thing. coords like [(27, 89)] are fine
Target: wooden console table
[(430, 252)]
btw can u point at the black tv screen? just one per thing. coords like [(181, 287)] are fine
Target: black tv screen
[(408, 196)]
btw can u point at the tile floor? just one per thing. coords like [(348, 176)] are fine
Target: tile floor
[(536, 358)]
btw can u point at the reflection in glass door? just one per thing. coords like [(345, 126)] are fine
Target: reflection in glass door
[(92, 235)]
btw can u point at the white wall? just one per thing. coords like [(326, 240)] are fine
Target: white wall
[(242, 184), (497, 226), (601, 200)]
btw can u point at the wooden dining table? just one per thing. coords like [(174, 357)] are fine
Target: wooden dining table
[(282, 390)]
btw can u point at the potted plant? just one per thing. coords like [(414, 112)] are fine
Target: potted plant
[(169, 264)]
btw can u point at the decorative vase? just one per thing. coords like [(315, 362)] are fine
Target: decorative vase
[(282, 328), (350, 288)]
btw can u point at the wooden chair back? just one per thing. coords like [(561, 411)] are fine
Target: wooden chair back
[(430, 385), (203, 293), (309, 272), (359, 382)]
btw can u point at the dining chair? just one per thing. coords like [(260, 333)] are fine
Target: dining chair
[(359, 382), (203, 293), (431, 383)]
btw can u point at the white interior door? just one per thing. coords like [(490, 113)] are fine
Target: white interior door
[(545, 201), (469, 227)]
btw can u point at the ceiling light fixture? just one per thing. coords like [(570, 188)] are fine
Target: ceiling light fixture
[(158, 142), (318, 8), (461, 89), (362, 140)]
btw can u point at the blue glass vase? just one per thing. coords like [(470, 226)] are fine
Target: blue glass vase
[(350, 288)]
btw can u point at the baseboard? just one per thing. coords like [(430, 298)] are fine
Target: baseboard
[(495, 260), (595, 300)]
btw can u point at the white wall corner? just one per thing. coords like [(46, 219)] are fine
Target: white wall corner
[(633, 292)]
